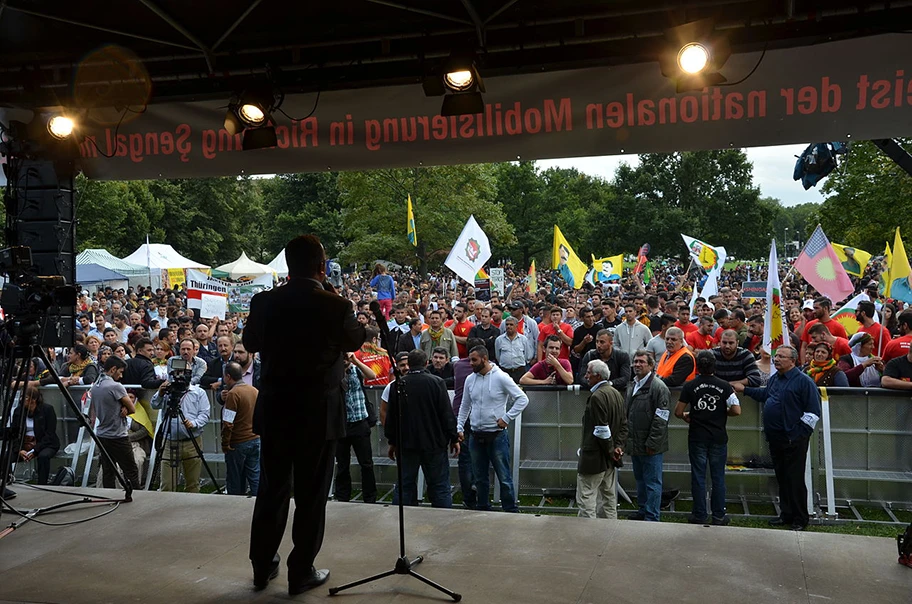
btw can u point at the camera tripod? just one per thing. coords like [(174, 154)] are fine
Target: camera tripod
[(404, 566), (23, 353), (171, 412)]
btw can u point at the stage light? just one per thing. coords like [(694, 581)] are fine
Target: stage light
[(251, 114), (459, 81), (693, 54), (693, 58), (259, 138), (61, 127)]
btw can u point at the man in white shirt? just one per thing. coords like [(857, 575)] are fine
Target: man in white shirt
[(485, 397)]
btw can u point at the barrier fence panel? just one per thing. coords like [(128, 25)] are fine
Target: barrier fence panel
[(870, 436)]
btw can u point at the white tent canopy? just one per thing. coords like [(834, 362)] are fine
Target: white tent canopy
[(161, 256), (244, 268), (279, 265), (104, 258)]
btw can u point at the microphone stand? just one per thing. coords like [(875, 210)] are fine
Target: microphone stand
[(403, 566)]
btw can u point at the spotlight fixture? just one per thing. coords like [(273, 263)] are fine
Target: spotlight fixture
[(250, 113), (460, 83), (693, 54), (60, 127)]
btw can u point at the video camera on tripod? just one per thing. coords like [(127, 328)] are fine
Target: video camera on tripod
[(179, 374), (27, 297)]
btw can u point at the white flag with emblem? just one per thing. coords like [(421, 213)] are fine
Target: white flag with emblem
[(470, 252)]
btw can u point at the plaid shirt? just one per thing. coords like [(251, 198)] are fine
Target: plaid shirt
[(355, 409)]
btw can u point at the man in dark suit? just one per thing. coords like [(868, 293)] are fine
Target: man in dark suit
[(411, 339), (300, 410), (428, 426)]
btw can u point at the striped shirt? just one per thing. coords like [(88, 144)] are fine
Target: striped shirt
[(739, 367)]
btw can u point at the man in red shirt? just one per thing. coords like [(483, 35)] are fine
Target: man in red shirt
[(864, 314), (822, 307), (683, 323), (460, 326), (702, 339), (900, 346), (819, 333), (552, 369), (555, 327)]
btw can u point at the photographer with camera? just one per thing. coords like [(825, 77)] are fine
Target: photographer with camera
[(187, 351), (181, 396)]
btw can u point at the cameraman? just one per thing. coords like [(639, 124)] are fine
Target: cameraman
[(187, 351), (195, 405)]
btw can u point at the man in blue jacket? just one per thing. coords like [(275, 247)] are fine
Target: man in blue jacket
[(791, 410)]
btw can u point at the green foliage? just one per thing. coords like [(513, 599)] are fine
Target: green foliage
[(115, 215), (443, 197), (867, 198), (302, 203)]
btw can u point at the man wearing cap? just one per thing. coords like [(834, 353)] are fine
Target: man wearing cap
[(822, 307), (514, 350), (525, 325)]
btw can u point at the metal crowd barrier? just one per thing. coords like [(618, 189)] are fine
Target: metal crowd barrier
[(861, 450)]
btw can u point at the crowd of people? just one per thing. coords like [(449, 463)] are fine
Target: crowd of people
[(628, 341)]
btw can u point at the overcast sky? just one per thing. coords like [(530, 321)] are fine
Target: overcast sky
[(773, 168)]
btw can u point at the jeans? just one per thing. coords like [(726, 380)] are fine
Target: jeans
[(467, 478), (495, 453), (362, 446), (647, 470), (716, 454), (242, 465), (436, 468)]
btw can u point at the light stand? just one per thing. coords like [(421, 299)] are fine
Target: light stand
[(403, 566)]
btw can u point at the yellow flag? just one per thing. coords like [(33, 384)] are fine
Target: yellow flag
[(884, 285), (608, 268), (898, 286), (564, 259), (533, 279), (412, 234), (853, 259)]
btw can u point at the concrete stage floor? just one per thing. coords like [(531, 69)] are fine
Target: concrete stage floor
[(183, 548)]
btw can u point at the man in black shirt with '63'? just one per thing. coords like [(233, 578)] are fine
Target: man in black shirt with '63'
[(711, 400)]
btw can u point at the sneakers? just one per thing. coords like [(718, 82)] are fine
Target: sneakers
[(723, 521)]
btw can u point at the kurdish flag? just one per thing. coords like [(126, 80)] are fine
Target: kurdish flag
[(820, 267), (853, 259), (898, 283), (532, 282), (775, 328), (412, 233), (564, 260), (846, 315)]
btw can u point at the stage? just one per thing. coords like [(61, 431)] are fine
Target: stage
[(185, 548)]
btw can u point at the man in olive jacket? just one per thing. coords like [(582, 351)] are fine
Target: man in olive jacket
[(647, 424), (604, 438)]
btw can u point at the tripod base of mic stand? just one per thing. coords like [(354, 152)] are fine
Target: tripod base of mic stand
[(403, 567)]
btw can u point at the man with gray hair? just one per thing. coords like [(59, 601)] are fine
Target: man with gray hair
[(791, 409), (602, 446), (513, 350)]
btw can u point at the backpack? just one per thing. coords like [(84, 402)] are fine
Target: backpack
[(904, 546), (65, 477)]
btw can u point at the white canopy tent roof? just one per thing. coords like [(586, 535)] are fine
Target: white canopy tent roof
[(279, 265), (106, 259), (244, 268), (161, 256)]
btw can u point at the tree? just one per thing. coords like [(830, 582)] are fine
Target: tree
[(867, 198), (296, 204), (706, 194), (520, 191), (443, 198), (115, 215)]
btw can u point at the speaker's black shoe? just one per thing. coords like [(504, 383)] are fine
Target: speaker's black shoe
[(314, 579), (262, 576), (9, 494)]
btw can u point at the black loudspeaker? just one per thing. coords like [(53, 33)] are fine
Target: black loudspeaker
[(40, 214)]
